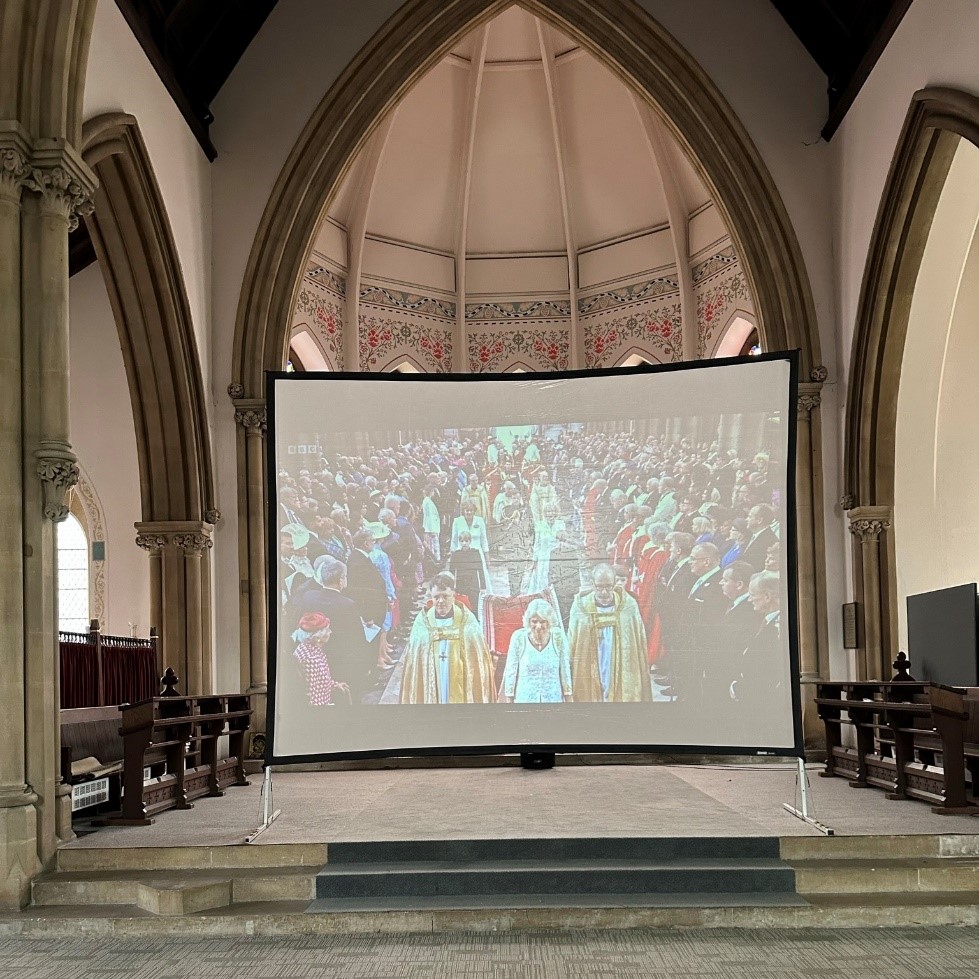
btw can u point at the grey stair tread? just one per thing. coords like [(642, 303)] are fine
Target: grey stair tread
[(530, 848), (699, 865), (514, 902)]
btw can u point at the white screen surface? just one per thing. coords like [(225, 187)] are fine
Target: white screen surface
[(616, 545)]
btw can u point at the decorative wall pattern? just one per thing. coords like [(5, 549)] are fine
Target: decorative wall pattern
[(655, 332), (383, 340), (495, 351), (624, 296), (319, 311), (409, 301), (720, 288), (507, 311), (642, 317), (395, 324)]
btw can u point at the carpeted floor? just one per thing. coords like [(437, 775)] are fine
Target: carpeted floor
[(581, 800), (924, 953)]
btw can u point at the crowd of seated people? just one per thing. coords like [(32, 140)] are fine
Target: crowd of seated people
[(689, 533)]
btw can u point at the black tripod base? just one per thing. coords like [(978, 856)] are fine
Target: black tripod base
[(537, 761)]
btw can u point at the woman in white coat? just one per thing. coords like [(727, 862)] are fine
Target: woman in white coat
[(538, 664)]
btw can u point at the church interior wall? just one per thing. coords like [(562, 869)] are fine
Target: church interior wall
[(933, 46), (121, 79), (260, 113), (104, 439), (936, 499)]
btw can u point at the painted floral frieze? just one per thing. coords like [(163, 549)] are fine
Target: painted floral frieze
[(654, 332), (717, 298), (320, 312), (383, 339), (494, 351)]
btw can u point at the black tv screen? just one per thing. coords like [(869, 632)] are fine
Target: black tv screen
[(942, 636)]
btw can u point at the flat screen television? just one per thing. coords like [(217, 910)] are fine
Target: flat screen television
[(942, 640)]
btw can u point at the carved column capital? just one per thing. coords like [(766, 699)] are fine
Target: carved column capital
[(869, 522), (808, 399), (64, 181), (189, 536), (252, 416), (57, 469), (15, 159)]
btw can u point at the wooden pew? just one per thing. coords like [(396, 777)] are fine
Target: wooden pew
[(177, 739), (902, 729)]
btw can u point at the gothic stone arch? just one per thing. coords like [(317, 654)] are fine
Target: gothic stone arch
[(937, 119), (138, 258), (646, 58)]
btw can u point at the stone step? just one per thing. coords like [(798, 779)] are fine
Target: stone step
[(542, 877), (623, 849), (864, 847), (285, 918), (519, 902), (177, 892), (886, 876), (235, 857)]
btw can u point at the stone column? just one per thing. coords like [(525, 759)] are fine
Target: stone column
[(867, 524), (251, 416), (180, 603), (808, 401), (18, 816), (59, 187)]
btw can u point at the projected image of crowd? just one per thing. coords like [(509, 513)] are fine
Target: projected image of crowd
[(625, 562)]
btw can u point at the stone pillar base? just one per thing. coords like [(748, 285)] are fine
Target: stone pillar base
[(62, 814), (18, 849)]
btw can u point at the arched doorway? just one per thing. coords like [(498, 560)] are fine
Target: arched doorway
[(922, 214), (664, 78)]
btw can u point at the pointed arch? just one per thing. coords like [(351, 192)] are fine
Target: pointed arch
[(937, 119), (310, 351), (635, 356), (86, 503), (732, 338), (624, 38), (138, 257), (404, 364)]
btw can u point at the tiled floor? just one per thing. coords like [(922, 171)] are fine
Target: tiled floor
[(924, 953), (582, 800)]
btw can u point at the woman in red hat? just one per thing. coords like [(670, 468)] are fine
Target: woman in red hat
[(311, 636)]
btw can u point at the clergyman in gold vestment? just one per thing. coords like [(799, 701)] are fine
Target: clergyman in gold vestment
[(447, 660), (608, 644)]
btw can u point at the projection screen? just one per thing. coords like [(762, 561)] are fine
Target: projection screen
[(588, 561)]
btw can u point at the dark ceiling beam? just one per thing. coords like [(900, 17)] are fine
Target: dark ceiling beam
[(845, 38), (865, 66), (197, 119), (194, 46)]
